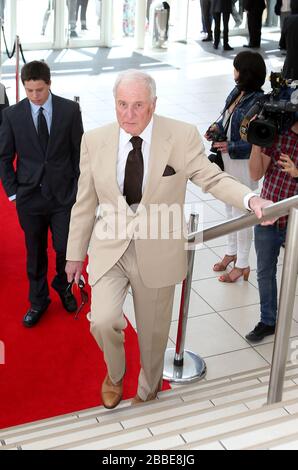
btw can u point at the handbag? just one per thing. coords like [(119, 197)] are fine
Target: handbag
[(217, 158)]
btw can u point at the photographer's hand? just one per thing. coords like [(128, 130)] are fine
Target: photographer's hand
[(222, 146), (288, 166)]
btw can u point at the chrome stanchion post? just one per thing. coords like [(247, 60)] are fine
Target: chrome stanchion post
[(285, 310), (182, 366)]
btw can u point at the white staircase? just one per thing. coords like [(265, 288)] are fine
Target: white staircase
[(218, 414)]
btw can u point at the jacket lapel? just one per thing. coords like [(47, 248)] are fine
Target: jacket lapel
[(161, 144), (108, 156)]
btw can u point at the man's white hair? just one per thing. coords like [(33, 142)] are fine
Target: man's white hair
[(136, 75)]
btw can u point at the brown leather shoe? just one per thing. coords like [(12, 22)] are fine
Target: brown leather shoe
[(111, 394), (152, 396)]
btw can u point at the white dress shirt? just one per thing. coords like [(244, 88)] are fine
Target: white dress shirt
[(125, 146)]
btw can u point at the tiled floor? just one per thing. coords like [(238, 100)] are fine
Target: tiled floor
[(193, 89)]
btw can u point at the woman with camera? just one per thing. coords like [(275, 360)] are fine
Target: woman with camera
[(249, 75)]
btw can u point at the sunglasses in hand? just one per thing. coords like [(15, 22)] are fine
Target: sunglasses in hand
[(83, 293)]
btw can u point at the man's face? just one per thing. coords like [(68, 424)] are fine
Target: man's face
[(37, 91), (134, 106)]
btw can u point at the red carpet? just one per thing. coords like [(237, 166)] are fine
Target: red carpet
[(56, 366)]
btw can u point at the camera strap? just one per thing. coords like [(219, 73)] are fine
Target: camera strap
[(237, 100)]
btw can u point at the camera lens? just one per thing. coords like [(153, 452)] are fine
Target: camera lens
[(262, 132)]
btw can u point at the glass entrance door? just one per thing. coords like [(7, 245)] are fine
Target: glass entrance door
[(54, 24), (82, 22), (35, 22)]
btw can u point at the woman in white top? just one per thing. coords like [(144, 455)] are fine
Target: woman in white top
[(249, 75)]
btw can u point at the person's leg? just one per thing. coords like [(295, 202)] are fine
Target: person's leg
[(59, 225), (226, 17), (72, 8), (232, 237), (153, 311), (244, 241), (268, 240), (235, 14), (231, 250), (107, 321), (255, 28), (84, 4), (46, 18), (216, 17), (207, 18), (35, 228)]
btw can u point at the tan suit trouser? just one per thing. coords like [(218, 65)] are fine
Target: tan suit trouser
[(153, 312)]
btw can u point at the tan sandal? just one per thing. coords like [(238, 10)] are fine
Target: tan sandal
[(235, 274), (224, 263)]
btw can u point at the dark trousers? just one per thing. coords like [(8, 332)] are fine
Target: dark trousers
[(206, 16), (268, 240), (83, 4), (254, 24), (226, 17), (36, 219)]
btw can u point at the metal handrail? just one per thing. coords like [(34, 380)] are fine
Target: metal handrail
[(278, 209), (288, 284)]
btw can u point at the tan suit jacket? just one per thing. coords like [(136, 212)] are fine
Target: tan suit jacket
[(162, 260)]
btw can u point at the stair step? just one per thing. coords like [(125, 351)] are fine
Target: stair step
[(263, 434), (161, 411), (109, 416), (208, 414), (198, 429), (102, 414)]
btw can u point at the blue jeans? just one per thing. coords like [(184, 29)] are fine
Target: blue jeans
[(268, 240)]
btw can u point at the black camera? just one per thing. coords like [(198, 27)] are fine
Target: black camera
[(275, 112), (215, 134)]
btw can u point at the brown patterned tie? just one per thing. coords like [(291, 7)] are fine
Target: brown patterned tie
[(134, 172)]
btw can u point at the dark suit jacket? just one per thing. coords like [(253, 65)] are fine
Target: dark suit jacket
[(254, 5), (59, 167), (221, 6), (289, 41)]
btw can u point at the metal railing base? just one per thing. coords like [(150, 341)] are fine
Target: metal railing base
[(193, 369)]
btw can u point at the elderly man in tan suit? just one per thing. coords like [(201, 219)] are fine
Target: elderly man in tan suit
[(136, 171)]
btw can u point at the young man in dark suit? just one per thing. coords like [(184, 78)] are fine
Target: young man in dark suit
[(43, 134), (254, 10)]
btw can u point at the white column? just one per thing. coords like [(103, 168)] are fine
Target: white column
[(140, 22), (60, 29), (106, 24)]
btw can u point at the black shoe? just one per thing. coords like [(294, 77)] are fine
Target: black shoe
[(68, 299), (215, 45), (260, 331), (251, 46), (84, 28), (207, 39), (227, 47), (34, 314), (73, 34)]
